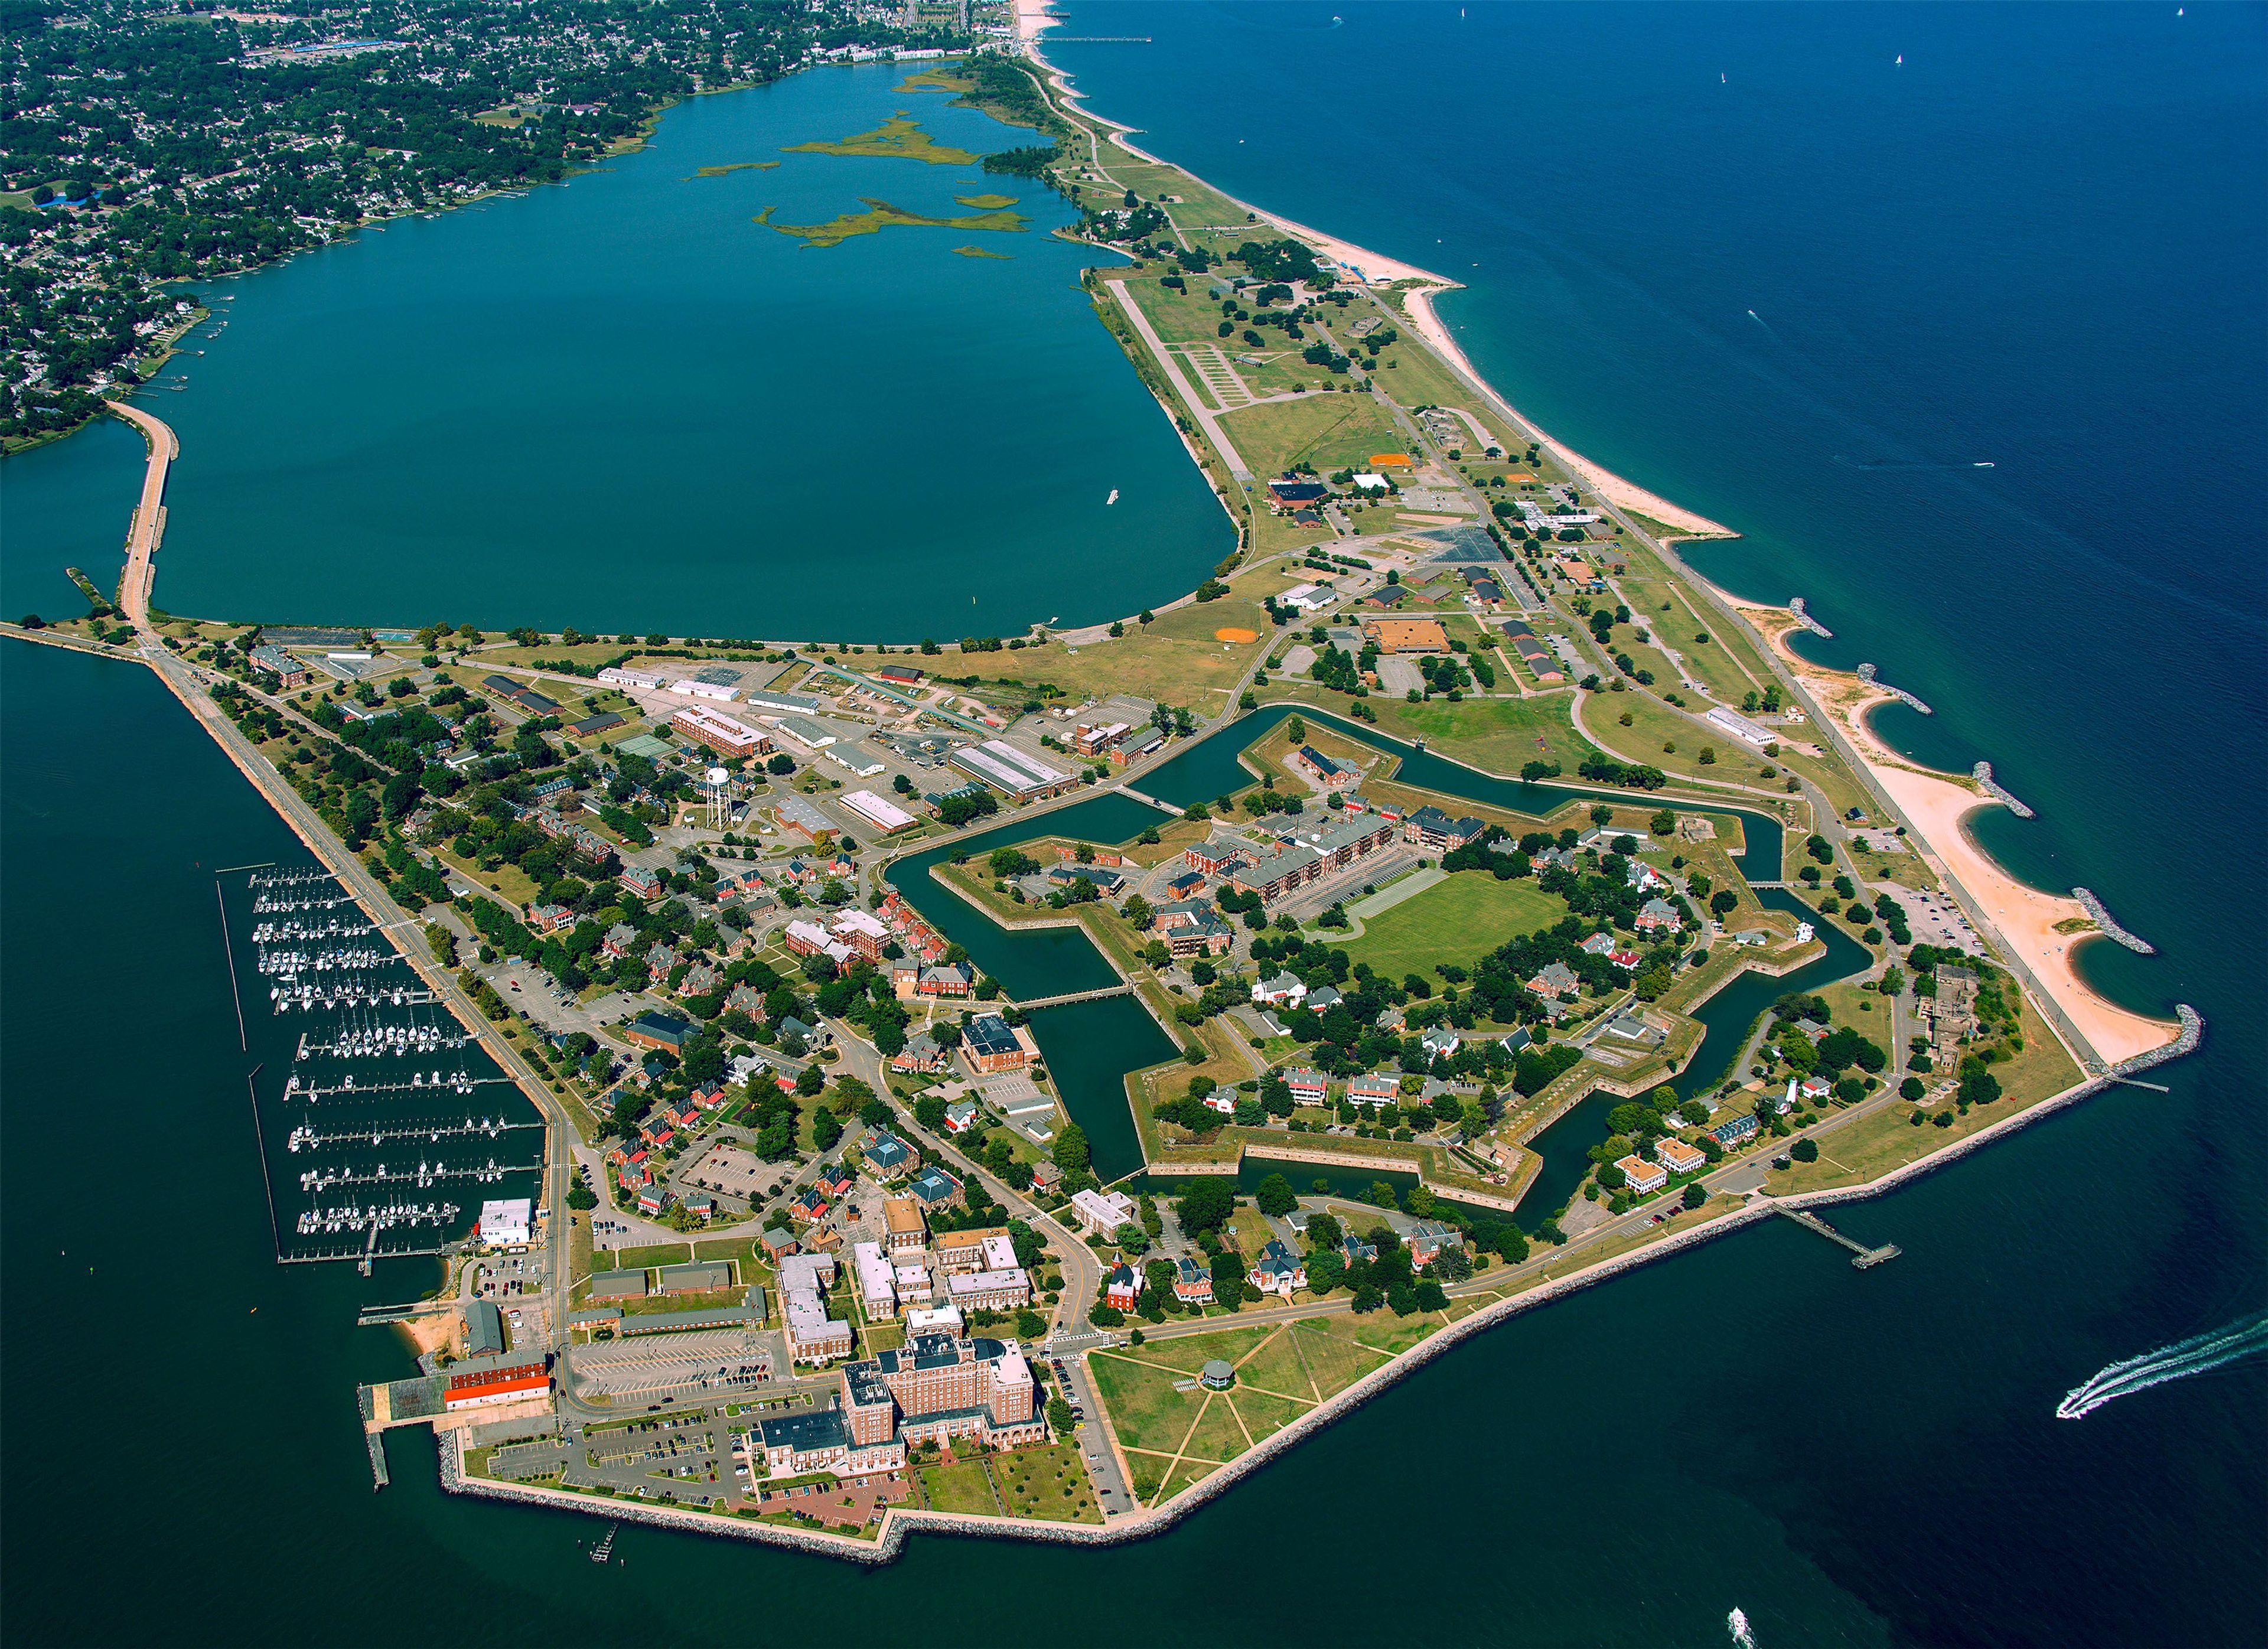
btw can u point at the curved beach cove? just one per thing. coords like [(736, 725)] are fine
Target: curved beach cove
[(623, 403)]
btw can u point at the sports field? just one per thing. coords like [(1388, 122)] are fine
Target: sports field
[(1458, 922)]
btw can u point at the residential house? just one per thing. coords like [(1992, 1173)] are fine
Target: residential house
[(1123, 1288), (1192, 1283), (1278, 1271), (1308, 1087), (961, 1115), (1427, 1239), (923, 1053), (1555, 980), (1658, 916), (1284, 990), (1374, 1091), (934, 1187), (1644, 1177), (1678, 1157)]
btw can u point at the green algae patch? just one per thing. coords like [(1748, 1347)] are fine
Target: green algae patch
[(880, 215), (979, 252), (987, 202), (899, 137), (737, 166)]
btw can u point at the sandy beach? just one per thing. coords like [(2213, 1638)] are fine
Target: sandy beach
[(1935, 806), (1378, 270)]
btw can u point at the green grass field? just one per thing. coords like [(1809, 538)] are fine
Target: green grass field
[(1049, 1483), (964, 1486), (1458, 922)]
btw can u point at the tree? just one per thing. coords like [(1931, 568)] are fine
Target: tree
[(811, 1081), (1911, 1090), (1070, 1150), (1804, 1150), (1696, 1194), (1980, 1087), (1206, 1206), (1059, 1420), (1275, 1196)]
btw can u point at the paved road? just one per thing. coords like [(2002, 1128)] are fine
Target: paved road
[(1170, 365), (149, 514)]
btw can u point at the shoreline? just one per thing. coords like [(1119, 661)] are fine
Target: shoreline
[(1935, 807), (1379, 272)]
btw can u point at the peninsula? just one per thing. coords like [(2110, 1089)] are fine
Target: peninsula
[(1020, 1084)]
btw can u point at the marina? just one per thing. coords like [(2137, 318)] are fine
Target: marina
[(350, 1192)]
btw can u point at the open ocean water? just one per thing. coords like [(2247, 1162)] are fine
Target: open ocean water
[(2039, 243)]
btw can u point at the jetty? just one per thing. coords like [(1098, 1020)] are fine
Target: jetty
[(1982, 774), (2109, 925), (1795, 606), (1866, 674), (1864, 1256)]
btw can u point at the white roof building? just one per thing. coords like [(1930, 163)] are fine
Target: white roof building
[(1102, 1212), (1739, 726), (506, 1224), (879, 811)]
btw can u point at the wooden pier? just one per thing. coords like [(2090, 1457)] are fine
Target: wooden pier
[(1864, 1256)]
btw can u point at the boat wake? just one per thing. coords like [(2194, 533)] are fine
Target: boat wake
[(2196, 1355)]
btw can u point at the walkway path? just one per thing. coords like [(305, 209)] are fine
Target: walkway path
[(1170, 363)]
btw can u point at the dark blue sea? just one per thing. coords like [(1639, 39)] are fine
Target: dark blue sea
[(2038, 243)]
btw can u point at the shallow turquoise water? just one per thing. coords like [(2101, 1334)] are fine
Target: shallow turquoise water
[(621, 403)]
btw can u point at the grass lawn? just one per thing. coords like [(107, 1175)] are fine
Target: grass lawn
[(1499, 734), (1189, 1473), (1387, 1332), (1191, 1352), (651, 1255), (1049, 1483), (1457, 922), (1263, 1416), (1218, 1435), (740, 1249), (1330, 431), (964, 1486), (1275, 1367), (1333, 1361), (1145, 1411), (508, 882), (1175, 659)]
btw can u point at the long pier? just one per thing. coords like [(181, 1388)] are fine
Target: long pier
[(1865, 1255)]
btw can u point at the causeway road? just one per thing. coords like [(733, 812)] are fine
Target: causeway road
[(149, 524)]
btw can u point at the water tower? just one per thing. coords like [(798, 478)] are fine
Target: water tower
[(716, 785)]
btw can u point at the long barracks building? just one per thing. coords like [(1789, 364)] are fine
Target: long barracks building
[(1300, 863)]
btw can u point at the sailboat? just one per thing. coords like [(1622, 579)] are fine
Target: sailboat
[(1902, 58)]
